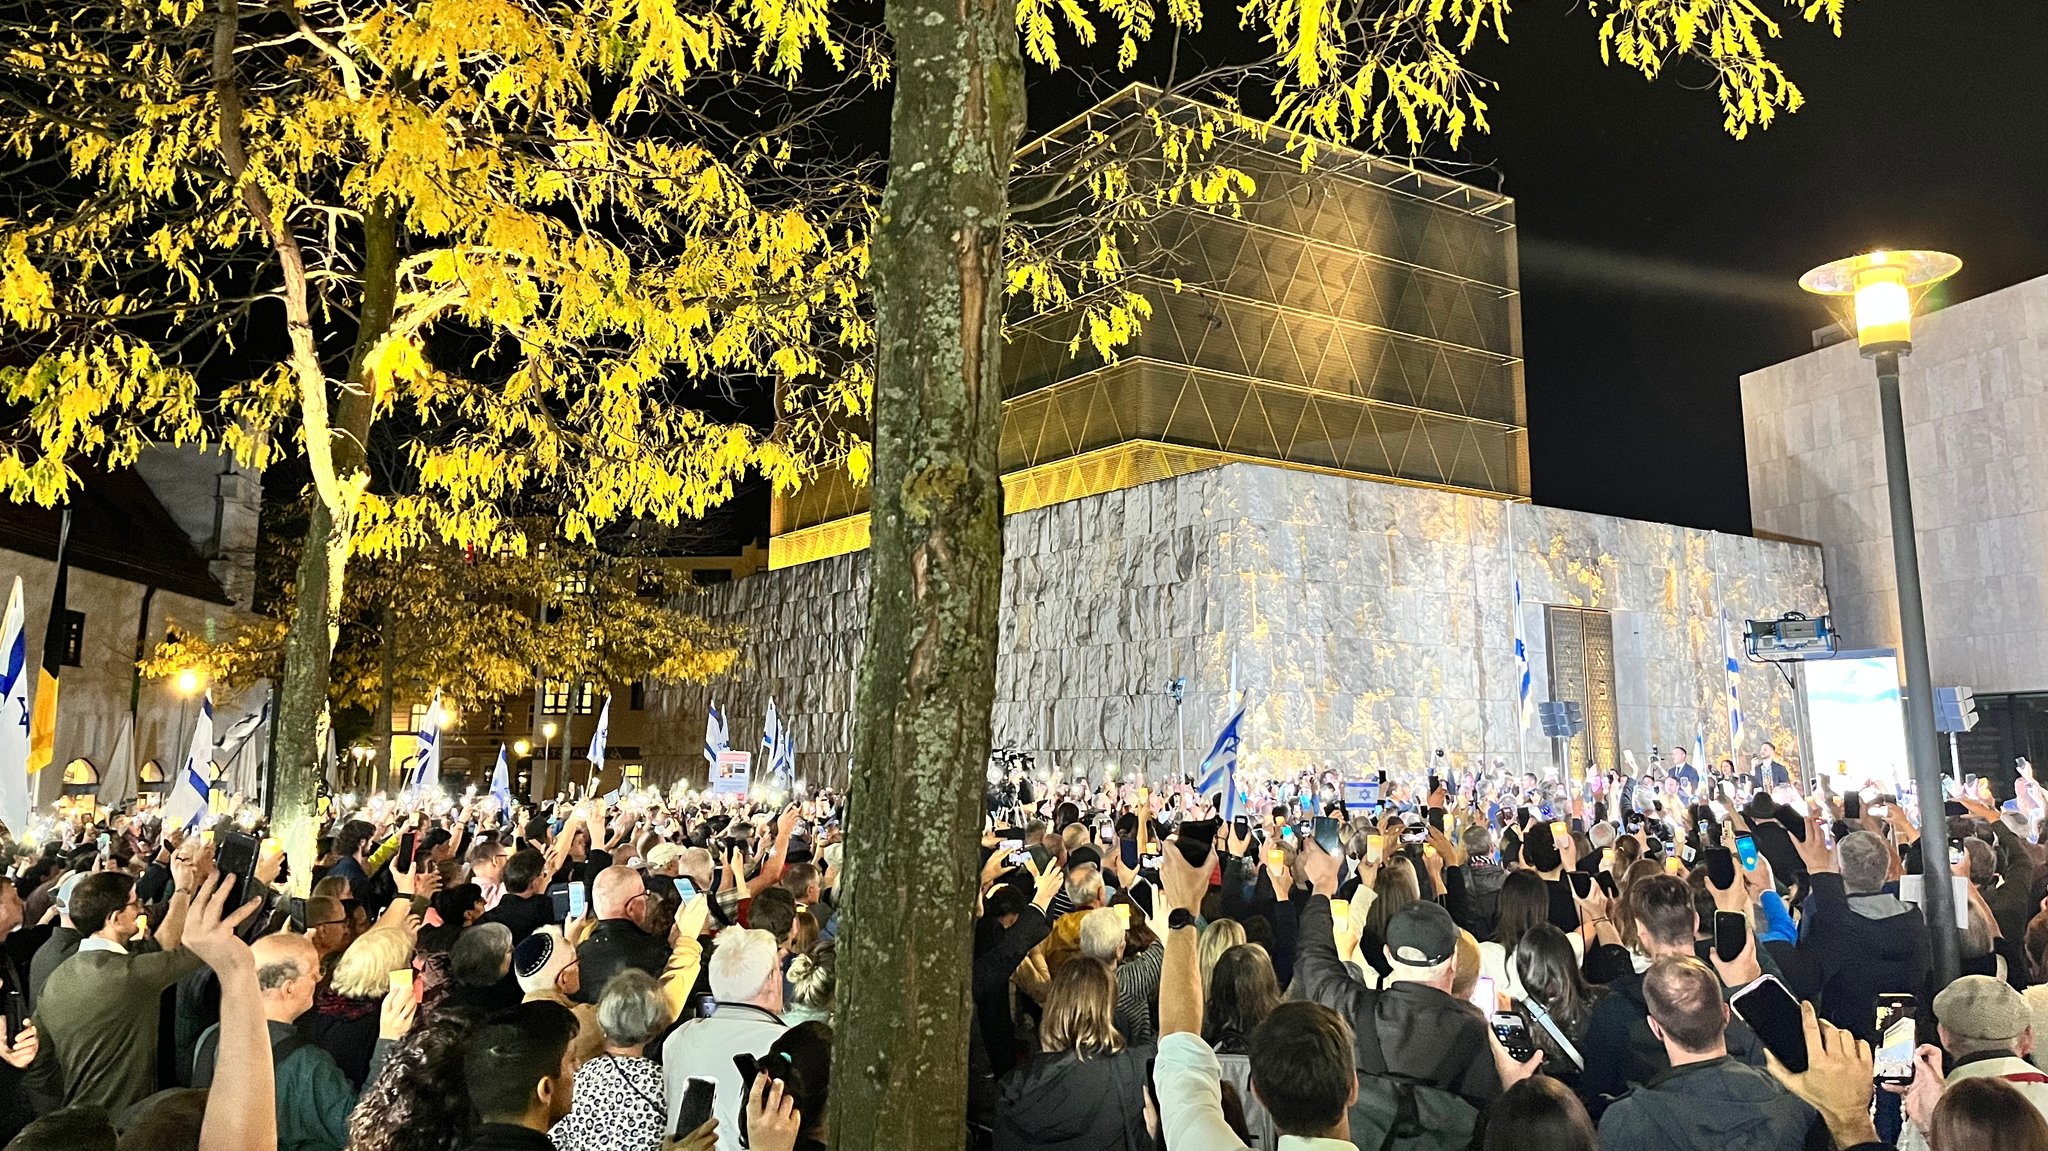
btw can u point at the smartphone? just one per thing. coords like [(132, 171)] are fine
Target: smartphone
[(1721, 867), (1582, 884), (1484, 996), (1895, 1039), (1141, 894), (1018, 858), (407, 845), (1607, 859), (1514, 1035), (17, 1013), (1745, 849), (686, 889), (1195, 838), (235, 854), (1329, 835), (1852, 806), (1774, 1015), (1731, 934), (576, 898), (1127, 850), (1241, 825), (558, 896), (1955, 854), (696, 1107), (1012, 846), (1340, 912), (1606, 881)]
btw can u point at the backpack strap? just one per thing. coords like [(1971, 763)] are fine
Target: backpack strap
[(1372, 1057), (1407, 1119), (287, 1047)]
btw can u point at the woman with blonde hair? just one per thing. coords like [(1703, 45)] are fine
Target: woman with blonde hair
[(344, 1017), (1220, 936), (1085, 1091)]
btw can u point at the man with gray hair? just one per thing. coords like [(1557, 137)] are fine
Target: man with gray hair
[(313, 1096), (746, 980), (1860, 941), (1105, 935)]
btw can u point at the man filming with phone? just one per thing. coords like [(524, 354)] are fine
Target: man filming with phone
[(1706, 1101)]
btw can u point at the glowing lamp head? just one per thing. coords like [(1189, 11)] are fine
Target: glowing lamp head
[(549, 729), (521, 747), (1881, 288), (189, 681)]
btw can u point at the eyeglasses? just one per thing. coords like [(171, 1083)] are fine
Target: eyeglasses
[(325, 923)]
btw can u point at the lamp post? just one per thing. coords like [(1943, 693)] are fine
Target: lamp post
[(191, 682), (547, 743), (1881, 288)]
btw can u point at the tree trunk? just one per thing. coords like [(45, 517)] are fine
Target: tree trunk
[(302, 717), (927, 677)]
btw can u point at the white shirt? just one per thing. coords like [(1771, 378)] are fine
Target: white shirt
[(95, 943), (703, 1049), (1189, 1083)]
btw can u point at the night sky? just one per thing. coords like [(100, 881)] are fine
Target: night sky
[(1660, 257)]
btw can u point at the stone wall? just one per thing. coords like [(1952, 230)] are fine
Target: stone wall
[(1975, 399), (1368, 623)]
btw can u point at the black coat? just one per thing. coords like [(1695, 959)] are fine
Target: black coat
[(1858, 957), (1061, 1102), (1419, 1027), (1621, 1051), (615, 945), (994, 963)]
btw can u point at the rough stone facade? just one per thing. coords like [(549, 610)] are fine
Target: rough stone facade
[(1975, 399), (1368, 623)]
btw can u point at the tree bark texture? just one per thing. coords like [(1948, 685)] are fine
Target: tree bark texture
[(302, 715), (927, 677)]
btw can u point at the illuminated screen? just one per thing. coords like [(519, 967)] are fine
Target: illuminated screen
[(1859, 729)]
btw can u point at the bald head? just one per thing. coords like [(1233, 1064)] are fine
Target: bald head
[(287, 970), (615, 892)]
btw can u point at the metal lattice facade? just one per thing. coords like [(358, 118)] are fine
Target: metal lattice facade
[(1358, 317)]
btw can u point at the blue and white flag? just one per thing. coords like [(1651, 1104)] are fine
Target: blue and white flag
[(778, 749), (501, 784), (1521, 663), (1219, 768), (600, 738), (714, 734), (14, 717), (1699, 749), (426, 770), (1734, 692), (192, 791)]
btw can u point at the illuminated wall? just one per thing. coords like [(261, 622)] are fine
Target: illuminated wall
[(1369, 622)]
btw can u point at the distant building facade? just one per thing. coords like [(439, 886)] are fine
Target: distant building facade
[(1975, 397), (172, 540)]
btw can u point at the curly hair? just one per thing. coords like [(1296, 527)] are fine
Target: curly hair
[(419, 1100)]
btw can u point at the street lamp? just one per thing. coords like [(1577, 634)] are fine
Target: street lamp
[(1882, 288), (362, 753), (190, 681), (547, 735), (521, 746)]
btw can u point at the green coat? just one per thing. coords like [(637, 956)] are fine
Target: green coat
[(313, 1096)]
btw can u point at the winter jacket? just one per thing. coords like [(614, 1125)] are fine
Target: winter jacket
[(1483, 881), (1621, 1051), (1420, 1028), (616, 945), (1713, 1106), (1863, 946), (1062, 1102)]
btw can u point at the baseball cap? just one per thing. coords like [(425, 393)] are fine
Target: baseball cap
[(663, 854), (1982, 1007), (1422, 935)]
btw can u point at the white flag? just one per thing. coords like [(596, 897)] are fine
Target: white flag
[(599, 737), (14, 803), (188, 801), (714, 734), (778, 748), (501, 784), (117, 783)]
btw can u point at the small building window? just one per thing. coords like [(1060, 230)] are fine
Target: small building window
[(638, 695), (71, 639)]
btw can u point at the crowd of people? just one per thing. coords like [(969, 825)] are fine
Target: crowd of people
[(1641, 961)]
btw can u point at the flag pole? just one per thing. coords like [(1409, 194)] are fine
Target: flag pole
[(1516, 629)]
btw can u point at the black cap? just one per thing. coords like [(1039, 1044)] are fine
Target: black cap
[(1422, 935)]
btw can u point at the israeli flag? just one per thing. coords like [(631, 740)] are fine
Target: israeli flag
[(192, 793), (501, 784), (1219, 767), (778, 749), (1521, 663), (426, 773), (1734, 691), (600, 737), (714, 734), (1699, 749), (14, 717)]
